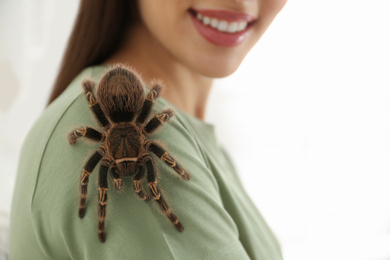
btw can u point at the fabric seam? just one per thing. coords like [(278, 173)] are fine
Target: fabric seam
[(39, 168)]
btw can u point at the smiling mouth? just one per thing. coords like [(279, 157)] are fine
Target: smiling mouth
[(224, 21), (222, 28)]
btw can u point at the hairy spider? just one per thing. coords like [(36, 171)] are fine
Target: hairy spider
[(122, 109)]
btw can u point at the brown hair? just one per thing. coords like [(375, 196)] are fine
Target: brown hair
[(98, 31)]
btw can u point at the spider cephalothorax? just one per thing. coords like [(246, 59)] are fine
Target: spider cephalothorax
[(125, 149)]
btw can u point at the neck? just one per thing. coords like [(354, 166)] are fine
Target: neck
[(183, 87)]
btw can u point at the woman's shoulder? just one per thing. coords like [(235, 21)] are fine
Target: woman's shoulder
[(135, 228)]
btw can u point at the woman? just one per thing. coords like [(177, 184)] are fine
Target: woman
[(186, 44)]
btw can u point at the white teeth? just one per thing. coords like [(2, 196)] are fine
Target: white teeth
[(242, 26), (223, 26), (233, 27), (206, 20), (214, 23)]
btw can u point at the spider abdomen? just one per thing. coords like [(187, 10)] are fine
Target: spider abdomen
[(120, 94)]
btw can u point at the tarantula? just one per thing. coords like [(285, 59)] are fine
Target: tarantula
[(122, 109)]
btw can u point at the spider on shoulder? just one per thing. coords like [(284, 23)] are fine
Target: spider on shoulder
[(122, 110)]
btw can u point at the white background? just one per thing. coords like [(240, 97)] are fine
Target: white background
[(306, 118)]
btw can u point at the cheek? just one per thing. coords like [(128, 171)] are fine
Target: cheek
[(273, 7), (149, 13), (267, 13), (162, 13), (164, 19), (279, 4)]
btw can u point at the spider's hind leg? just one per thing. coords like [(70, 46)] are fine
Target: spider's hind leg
[(148, 103), (152, 182), (158, 120), (88, 86), (85, 132), (165, 157)]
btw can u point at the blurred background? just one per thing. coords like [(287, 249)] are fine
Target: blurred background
[(314, 151)]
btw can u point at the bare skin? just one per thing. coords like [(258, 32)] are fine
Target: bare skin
[(184, 88), (165, 44)]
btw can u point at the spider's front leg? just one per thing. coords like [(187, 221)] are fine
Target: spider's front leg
[(102, 191), (88, 132), (165, 157), (116, 178), (88, 169), (152, 182), (137, 183)]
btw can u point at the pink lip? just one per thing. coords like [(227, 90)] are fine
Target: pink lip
[(221, 38), (226, 15)]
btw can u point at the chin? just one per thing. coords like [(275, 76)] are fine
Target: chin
[(220, 72), (217, 68)]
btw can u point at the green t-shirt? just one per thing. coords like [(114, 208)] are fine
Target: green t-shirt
[(220, 221)]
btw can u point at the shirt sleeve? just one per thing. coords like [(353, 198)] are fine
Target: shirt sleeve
[(135, 229)]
